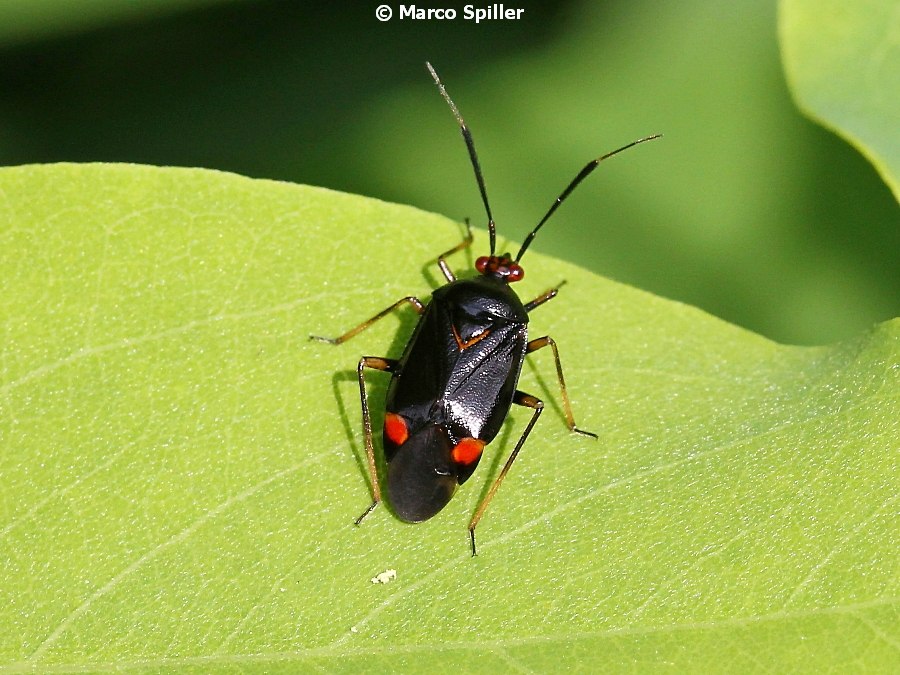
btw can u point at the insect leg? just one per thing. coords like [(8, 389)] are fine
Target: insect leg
[(540, 343), (465, 243), (529, 401), (543, 297), (415, 302), (386, 365)]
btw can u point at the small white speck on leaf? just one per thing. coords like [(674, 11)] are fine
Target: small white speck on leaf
[(385, 577)]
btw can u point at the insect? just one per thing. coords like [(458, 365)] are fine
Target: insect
[(457, 379)]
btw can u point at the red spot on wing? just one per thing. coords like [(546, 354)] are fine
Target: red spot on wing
[(467, 450), (395, 428)]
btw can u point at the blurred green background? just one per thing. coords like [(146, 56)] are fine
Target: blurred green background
[(745, 208)]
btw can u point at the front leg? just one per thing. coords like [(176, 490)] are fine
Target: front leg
[(549, 294), (465, 243), (415, 302)]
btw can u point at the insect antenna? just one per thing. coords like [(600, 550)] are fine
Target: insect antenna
[(584, 173), (470, 144)]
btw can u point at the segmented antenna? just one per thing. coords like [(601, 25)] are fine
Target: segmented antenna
[(470, 144), (584, 173)]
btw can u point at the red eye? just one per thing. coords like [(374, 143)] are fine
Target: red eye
[(482, 264), (515, 273)]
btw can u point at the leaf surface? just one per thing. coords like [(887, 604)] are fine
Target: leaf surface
[(181, 466)]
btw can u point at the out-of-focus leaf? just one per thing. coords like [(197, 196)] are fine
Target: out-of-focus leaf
[(22, 20), (843, 65)]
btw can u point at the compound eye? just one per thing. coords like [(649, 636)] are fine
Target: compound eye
[(482, 264), (516, 273)]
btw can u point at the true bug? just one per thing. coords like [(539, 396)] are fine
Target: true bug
[(453, 386)]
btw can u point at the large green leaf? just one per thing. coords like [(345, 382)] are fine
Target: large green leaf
[(181, 466), (843, 65)]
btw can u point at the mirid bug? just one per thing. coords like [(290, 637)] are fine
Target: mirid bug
[(456, 381)]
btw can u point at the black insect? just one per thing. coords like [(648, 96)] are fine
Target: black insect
[(453, 387)]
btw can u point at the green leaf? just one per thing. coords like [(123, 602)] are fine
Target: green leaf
[(843, 66), (181, 466)]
